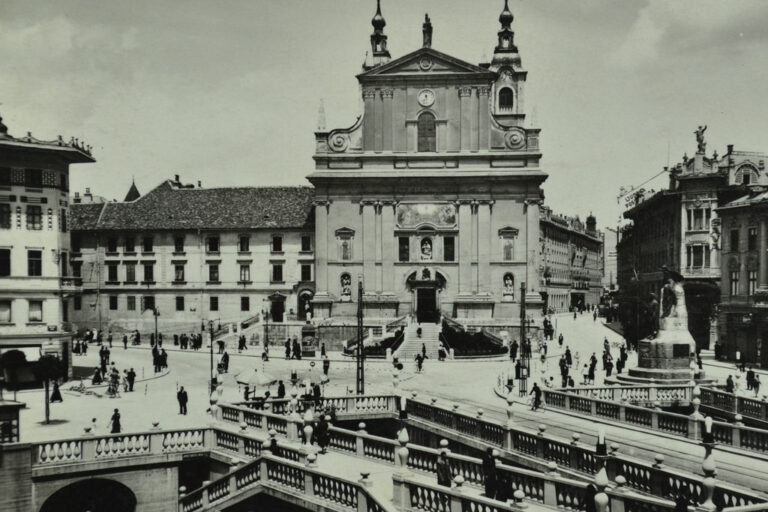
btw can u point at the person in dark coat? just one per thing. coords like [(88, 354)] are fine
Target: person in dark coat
[(125, 342), (280, 389), (536, 392), (589, 498), (424, 350), (326, 364), (568, 357), (115, 422), (182, 397), (225, 361), (56, 395), (288, 348), (729, 384), (444, 476), (513, 350), (560, 339), (490, 476), (323, 437), (131, 379)]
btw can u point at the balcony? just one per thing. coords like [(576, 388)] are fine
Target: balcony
[(71, 284)]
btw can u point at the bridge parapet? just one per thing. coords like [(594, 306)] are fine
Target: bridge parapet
[(730, 405), (153, 442)]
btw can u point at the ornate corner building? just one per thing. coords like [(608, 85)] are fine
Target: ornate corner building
[(432, 195)]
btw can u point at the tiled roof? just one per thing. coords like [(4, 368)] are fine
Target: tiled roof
[(173, 207), (84, 216)]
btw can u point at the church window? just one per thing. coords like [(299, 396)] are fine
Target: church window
[(427, 133), (449, 248), (404, 249), (506, 99)]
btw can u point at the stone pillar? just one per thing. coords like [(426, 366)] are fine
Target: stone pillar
[(474, 131), (466, 113), (484, 247), (321, 242), (386, 97), (532, 275), (387, 246), (475, 246), (369, 129), (464, 211), (483, 113), (379, 247), (763, 253), (378, 122), (368, 252)]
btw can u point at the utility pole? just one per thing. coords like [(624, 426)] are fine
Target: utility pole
[(524, 347), (360, 352), (213, 376)]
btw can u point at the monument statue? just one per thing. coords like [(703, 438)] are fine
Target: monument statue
[(700, 138), (426, 249)]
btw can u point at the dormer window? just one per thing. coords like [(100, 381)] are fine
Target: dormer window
[(427, 133), (506, 100)]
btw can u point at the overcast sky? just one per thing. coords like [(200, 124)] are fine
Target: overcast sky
[(227, 92)]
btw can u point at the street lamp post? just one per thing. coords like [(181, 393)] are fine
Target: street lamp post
[(214, 380), (524, 346), (360, 352)]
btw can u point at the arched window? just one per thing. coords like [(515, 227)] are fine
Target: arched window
[(427, 133), (506, 99)]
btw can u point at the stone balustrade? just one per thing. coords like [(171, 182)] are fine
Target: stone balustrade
[(652, 478), (637, 395), (736, 435), (731, 404), (288, 476), (346, 405), (93, 448)]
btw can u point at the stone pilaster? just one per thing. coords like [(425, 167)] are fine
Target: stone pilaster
[(322, 246), (368, 252), (386, 96), (464, 212), (483, 113), (369, 128), (465, 99), (387, 246), (484, 247)]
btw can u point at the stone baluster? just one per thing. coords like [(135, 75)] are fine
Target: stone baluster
[(573, 452), (309, 476), (612, 462), (204, 494), (362, 497), (509, 439), (617, 500), (519, 497), (541, 441), (402, 452), (709, 483), (736, 431), (550, 491), (601, 498), (458, 490), (359, 440), (695, 419), (309, 418)]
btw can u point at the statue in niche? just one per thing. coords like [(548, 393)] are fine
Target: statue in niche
[(346, 287), (426, 275), (345, 252), (509, 287), (426, 249)]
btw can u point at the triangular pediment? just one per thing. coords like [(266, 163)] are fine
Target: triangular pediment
[(425, 61)]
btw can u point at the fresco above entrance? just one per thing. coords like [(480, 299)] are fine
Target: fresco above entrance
[(410, 215)]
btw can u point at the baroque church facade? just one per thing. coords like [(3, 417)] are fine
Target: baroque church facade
[(432, 197)]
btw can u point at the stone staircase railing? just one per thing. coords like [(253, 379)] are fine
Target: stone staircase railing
[(732, 404), (654, 478), (352, 405), (288, 476), (637, 395), (736, 435)]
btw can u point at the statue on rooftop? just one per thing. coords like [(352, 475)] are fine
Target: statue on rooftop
[(700, 138)]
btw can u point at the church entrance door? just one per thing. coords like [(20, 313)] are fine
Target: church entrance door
[(426, 305)]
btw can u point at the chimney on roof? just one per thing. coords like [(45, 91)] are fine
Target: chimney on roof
[(176, 176), (87, 194), (730, 148), (77, 197), (199, 184)]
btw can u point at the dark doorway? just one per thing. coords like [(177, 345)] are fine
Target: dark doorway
[(277, 310), (426, 305), (91, 495)]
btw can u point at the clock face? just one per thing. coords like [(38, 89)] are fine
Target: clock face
[(426, 97)]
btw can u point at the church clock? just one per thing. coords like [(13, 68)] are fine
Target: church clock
[(426, 97)]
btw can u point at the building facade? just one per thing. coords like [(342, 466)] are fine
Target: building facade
[(572, 259), (679, 228), (610, 260), (194, 254), (431, 197), (36, 284)]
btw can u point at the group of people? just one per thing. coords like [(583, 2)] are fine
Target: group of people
[(159, 359), (192, 341), (292, 348), (114, 379)]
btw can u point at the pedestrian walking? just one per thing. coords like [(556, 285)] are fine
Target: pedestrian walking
[(182, 397), (536, 392), (513, 350), (443, 469), (322, 349), (131, 379), (750, 378), (419, 362), (280, 390), (568, 357), (56, 395), (125, 342), (288, 348), (424, 350), (322, 433), (326, 365), (124, 381), (560, 339), (756, 385), (114, 421), (490, 477)]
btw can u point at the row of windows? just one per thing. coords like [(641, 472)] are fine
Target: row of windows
[(34, 217), (35, 308), (751, 239), (30, 178), (148, 302), (751, 282), (698, 219), (276, 273), (212, 244), (34, 262)]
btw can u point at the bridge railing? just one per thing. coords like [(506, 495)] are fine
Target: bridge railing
[(736, 435), (152, 442), (289, 476), (733, 404), (646, 395), (653, 478), (352, 404)]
